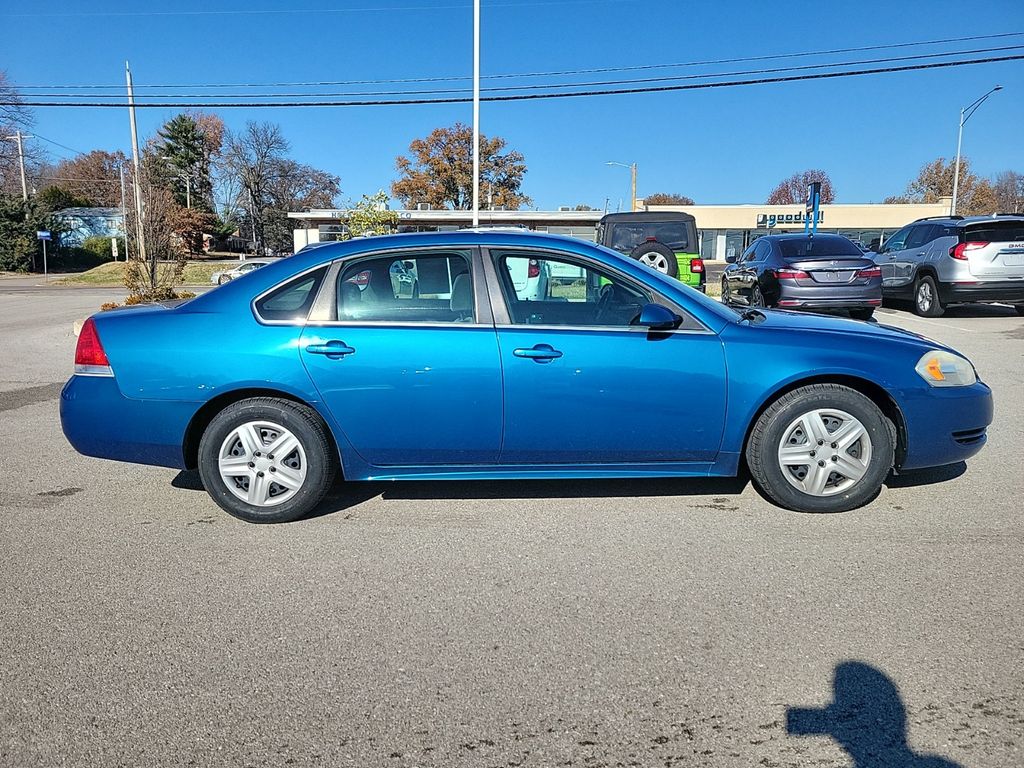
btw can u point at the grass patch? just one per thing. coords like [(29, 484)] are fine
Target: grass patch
[(112, 274)]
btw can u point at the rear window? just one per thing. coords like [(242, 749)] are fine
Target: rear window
[(676, 235), (819, 247), (997, 231)]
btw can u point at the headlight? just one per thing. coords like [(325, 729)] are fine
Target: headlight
[(944, 369)]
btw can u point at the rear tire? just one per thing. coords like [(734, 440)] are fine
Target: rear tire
[(862, 314), (756, 297), (786, 459), (726, 293), (926, 297), (243, 476)]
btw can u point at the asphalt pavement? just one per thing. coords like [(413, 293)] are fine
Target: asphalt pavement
[(610, 623)]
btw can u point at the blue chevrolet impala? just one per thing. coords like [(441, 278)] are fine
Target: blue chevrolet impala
[(420, 356)]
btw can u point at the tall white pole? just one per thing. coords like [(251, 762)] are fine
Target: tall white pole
[(21, 163), (956, 171), (140, 238), (476, 113)]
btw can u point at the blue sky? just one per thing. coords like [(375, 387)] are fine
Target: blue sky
[(718, 145)]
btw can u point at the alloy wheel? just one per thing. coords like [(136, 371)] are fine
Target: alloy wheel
[(824, 452), (925, 297), (656, 260)]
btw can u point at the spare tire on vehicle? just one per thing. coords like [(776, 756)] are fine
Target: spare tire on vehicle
[(657, 255)]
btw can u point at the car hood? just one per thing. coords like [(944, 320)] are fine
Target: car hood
[(804, 322)]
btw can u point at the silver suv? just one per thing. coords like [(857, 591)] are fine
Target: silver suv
[(955, 260)]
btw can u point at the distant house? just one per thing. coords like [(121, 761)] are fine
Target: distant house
[(79, 223)]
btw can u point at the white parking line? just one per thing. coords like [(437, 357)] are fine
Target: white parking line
[(908, 316)]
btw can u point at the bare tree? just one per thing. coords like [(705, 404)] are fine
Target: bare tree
[(1009, 191), (15, 116), (251, 157), (794, 189)]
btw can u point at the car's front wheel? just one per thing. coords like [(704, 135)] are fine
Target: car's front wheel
[(266, 460), (821, 448)]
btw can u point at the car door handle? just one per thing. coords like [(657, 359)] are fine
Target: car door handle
[(542, 353), (333, 349)]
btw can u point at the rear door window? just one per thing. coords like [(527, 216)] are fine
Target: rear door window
[(407, 287)]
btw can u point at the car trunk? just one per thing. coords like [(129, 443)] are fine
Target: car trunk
[(994, 249), (830, 270)]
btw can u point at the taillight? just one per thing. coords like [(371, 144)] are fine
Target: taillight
[(534, 269), (870, 272), (959, 251), (696, 265), (791, 274), (89, 355)]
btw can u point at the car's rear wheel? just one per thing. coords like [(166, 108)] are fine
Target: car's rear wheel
[(862, 314), (726, 292), (266, 460), (926, 297), (756, 297), (658, 256), (821, 448)]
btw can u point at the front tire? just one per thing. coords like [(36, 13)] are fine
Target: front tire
[(821, 448), (926, 298), (266, 460)]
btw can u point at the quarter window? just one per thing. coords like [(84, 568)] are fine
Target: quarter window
[(408, 287), (292, 301), (544, 289)]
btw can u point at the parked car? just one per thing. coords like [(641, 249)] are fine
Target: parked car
[(247, 266), (629, 374), (663, 240), (947, 260), (819, 273)]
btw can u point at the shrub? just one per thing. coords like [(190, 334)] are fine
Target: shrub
[(100, 245)]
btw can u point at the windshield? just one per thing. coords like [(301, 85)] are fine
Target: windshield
[(818, 247), (674, 234)]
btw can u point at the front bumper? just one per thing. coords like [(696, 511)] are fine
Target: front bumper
[(100, 421), (944, 425), (1009, 291)]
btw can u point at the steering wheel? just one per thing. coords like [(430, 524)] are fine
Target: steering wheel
[(604, 301)]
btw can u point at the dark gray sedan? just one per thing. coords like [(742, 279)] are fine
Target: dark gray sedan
[(818, 273)]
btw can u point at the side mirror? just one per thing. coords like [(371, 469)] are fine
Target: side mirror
[(730, 258), (658, 318)]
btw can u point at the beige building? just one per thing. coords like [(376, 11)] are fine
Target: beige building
[(721, 229)]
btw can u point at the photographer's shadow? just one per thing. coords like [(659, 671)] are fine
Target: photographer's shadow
[(866, 718)]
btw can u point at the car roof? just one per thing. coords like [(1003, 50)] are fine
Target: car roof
[(962, 221)]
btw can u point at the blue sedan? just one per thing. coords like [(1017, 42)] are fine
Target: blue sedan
[(323, 363)]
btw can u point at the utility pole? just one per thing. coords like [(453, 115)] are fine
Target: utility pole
[(140, 236), (476, 113), (632, 170), (252, 219), (969, 110), (124, 210), (17, 137)]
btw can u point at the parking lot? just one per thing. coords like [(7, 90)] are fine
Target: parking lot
[(597, 623)]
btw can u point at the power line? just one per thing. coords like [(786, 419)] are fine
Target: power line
[(547, 86), (533, 96), (62, 146), (553, 73)]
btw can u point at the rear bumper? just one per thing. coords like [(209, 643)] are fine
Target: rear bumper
[(99, 421), (945, 426), (1009, 291), (829, 296)]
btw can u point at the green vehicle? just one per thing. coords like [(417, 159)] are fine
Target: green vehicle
[(664, 240)]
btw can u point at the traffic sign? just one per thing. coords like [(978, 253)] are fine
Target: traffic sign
[(43, 235)]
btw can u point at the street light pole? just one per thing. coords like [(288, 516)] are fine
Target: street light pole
[(140, 235), (965, 115), (632, 172)]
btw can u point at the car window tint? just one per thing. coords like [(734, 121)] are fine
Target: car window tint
[(762, 249), (822, 246), (996, 232), (292, 300), (897, 240), (408, 287), (548, 289), (920, 234)]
